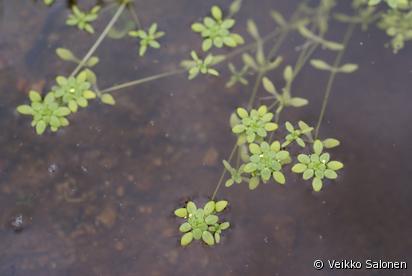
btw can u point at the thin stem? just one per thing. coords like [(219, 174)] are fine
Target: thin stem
[(223, 173), (99, 40), (131, 8), (251, 46), (332, 76), (143, 80), (255, 89)]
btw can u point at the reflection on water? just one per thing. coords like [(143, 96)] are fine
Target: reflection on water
[(97, 198)]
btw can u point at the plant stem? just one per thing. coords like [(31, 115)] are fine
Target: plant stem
[(223, 173), (332, 76), (99, 40), (143, 80), (133, 12), (255, 89)]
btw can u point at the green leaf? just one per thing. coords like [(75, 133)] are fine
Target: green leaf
[(348, 68), (289, 126), (217, 237), (235, 7), (331, 174), (211, 219), (108, 99), (221, 205), (185, 227), (209, 207), (73, 106), (250, 167), (271, 126), (254, 183), (297, 102), (279, 19), (320, 64), (303, 158), (92, 61), (25, 109), (299, 168), (207, 237), (62, 111), (224, 225), (197, 234), (317, 147), (269, 87), (34, 96), (186, 239), (308, 174), (242, 112), (217, 13), (288, 73), (238, 129), (317, 184), (254, 148), (249, 61), (191, 207), (181, 212), (335, 165), (66, 54), (88, 94), (330, 143), (40, 127), (252, 29), (279, 177)]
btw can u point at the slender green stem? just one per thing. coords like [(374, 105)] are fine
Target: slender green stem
[(251, 46), (132, 10), (99, 40), (255, 89), (332, 76), (223, 173), (143, 80)]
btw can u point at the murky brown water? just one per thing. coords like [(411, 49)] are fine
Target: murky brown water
[(97, 198)]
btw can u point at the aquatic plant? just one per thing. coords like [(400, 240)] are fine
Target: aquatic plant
[(82, 19), (202, 223), (317, 166), (148, 39), (46, 112), (253, 125), (261, 152), (198, 65), (215, 30), (266, 161)]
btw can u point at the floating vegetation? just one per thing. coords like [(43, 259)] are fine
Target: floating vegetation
[(267, 148)]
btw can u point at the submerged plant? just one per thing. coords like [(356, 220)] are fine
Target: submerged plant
[(237, 76), (83, 19), (254, 125), (215, 31), (266, 162), (317, 166), (46, 112), (202, 66), (202, 223), (74, 91), (148, 39), (398, 25), (235, 174), (295, 134)]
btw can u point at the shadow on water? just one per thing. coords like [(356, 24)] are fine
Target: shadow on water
[(97, 197)]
